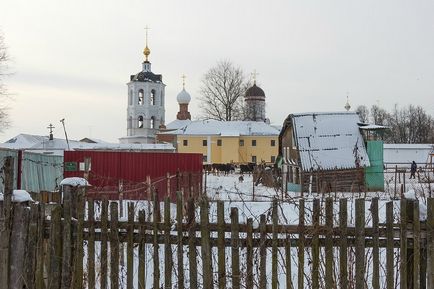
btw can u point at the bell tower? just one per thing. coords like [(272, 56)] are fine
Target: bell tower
[(146, 99)]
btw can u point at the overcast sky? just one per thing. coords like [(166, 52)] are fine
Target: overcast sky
[(72, 59)]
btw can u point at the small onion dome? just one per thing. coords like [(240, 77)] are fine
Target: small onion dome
[(255, 91), (183, 97)]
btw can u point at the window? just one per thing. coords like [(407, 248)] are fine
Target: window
[(152, 122), (204, 158), (253, 142), (219, 142), (140, 102), (273, 143), (152, 97), (254, 159), (241, 142), (185, 142), (204, 143), (273, 159), (140, 121)]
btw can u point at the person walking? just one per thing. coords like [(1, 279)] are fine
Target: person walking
[(413, 170)]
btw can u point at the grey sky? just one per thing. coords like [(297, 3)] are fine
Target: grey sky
[(72, 59)]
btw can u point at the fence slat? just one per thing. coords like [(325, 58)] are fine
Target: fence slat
[(430, 243), (262, 253), (40, 264), (343, 243), (142, 252), (235, 249), (180, 250), (249, 254), (329, 244), (274, 216), (315, 244), (20, 222), (301, 245), (205, 244), (390, 281), (156, 220), (375, 245), (91, 244), (67, 238), (416, 246), (79, 251), (221, 245), (403, 246), (114, 246), (130, 246), (55, 267), (360, 243), (104, 238), (288, 262), (167, 246), (30, 259), (192, 244)]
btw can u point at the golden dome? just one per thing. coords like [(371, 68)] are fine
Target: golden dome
[(146, 52)]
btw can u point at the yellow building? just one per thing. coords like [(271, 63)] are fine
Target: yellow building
[(223, 142)]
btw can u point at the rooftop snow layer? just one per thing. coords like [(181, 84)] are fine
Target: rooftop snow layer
[(328, 141), (226, 128)]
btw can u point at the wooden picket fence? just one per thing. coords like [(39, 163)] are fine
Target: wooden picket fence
[(54, 246)]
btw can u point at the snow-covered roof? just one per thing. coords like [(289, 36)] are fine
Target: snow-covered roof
[(177, 124), (328, 141), (406, 153), (225, 128), (42, 144)]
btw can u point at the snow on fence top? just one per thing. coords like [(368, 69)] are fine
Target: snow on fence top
[(328, 141), (19, 196), (74, 182)]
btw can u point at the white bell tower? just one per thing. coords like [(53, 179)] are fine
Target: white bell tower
[(145, 110)]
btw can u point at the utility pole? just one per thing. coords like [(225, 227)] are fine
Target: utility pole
[(64, 129)]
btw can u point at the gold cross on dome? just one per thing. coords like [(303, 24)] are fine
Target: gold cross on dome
[(183, 80), (254, 74)]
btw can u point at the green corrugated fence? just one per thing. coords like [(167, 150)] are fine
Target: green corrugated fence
[(374, 175)]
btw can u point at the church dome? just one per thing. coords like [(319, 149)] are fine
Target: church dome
[(183, 97), (255, 91)]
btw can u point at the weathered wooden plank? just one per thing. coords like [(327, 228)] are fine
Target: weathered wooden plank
[(114, 246), (79, 251), (205, 244), (274, 264), (40, 264), (167, 246), (249, 254), (20, 222), (55, 267), (376, 245), (329, 269), (288, 261), (5, 222), (235, 249), (30, 258), (343, 243), (104, 239), (141, 280), (221, 266), (67, 238), (416, 246), (390, 281), (130, 247), (180, 247), (315, 244), (301, 238), (403, 247), (192, 244), (360, 243), (430, 243), (91, 244), (262, 253), (156, 247)]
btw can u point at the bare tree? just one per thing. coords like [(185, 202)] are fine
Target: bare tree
[(4, 121), (363, 113), (222, 91)]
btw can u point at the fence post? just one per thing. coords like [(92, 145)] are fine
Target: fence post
[(301, 245), (403, 246), (91, 245), (55, 269), (376, 245), (205, 244), (274, 281), (235, 252), (249, 254), (389, 247), (104, 238), (155, 221), (343, 243), (180, 250), (430, 243), (114, 246), (67, 237), (262, 253), (192, 243), (130, 246), (167, 246), (5, 222), (221, 245), (360, 243), (315, 244)]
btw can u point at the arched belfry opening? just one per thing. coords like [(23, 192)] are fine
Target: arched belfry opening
[(141, 97)]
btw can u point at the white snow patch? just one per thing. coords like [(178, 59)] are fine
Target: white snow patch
[(411, 195), (75, 181), (19, 196)]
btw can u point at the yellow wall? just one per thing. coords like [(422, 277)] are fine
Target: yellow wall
[(230, 150)]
